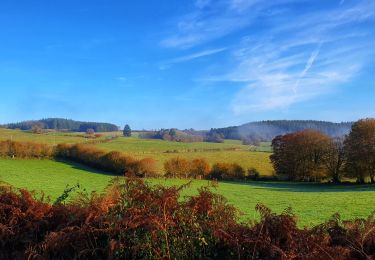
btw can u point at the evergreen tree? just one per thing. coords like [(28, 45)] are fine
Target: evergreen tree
[(127, 131)]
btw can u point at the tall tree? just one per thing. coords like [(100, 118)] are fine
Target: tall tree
[(300, 155), (335, 159), (360, 150), (127, 131)]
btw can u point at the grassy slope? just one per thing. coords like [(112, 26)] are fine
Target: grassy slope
[(50, 176), (48, 138), (313, 203), (230, 151)]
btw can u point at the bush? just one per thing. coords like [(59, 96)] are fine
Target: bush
[(25, 150), (177, 168), (227, 171), (199, 168), (253, 174), (114, 162), (182, 168), (148, 167), (133, 220)]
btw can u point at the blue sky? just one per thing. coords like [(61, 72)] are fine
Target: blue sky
[(185, 64)]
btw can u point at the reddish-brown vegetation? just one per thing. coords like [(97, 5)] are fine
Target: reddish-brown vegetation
[(227, 171), (115, 162), (134, 220), (25, 150)]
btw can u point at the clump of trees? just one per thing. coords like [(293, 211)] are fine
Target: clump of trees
[(360, 151), (133, 220), (310, 155), (172, 134), (214, 137), (300, 155), (199, 168), (227, 171), (183, 168)]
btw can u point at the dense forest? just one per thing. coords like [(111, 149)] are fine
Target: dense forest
[(267, 130), (63, 124)]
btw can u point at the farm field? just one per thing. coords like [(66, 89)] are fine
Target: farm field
[(312, 203), (231, 151), (48, 138)]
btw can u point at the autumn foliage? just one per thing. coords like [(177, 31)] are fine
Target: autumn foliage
[(114, 162), (25, 150), (134, 220)]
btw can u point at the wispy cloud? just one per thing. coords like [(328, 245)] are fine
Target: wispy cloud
[(210, 20), (296, 60), (121, 78), (196, 55)]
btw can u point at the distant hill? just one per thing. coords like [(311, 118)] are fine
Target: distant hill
[(267, 130), (63, 124)]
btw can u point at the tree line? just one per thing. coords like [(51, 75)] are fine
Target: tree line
[(63, 124), (172, 134), (267, 130), (311, 155), (200, 168)]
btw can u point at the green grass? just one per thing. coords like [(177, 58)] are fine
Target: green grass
[(231, 151), (312, 203), (50, 176), (48, 137)]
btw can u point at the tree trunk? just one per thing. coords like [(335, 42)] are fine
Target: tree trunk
[(360, 180), (336, 179)]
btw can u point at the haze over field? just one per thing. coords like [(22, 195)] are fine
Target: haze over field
[(186, 64)]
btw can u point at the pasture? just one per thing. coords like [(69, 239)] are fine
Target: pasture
[(312, 203), (49, 137), (231, 151)]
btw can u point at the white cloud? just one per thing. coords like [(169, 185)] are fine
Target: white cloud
[(296, 55), (196, 55), (121, 78), (210, 20), (300, 59)]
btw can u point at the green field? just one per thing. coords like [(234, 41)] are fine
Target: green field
[(47, 138), (312, 203), (231, 151)]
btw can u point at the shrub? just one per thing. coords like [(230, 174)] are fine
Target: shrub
[(253, 174), (90, 131), (133, 220), (177, 168), (148, 167), (227, 171), (114, 161), (25, 150), (199, 168)]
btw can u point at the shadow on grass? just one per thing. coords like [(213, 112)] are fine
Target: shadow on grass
[(79, 166), (307, 187)]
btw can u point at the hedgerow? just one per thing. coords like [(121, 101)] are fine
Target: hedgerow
[(115, 162), (25, 150)]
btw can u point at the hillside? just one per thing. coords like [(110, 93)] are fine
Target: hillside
[(267, 130), (63, 124)]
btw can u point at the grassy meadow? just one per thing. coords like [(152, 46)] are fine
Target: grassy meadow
[(231, 151), (312, 203), (49, 137)]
